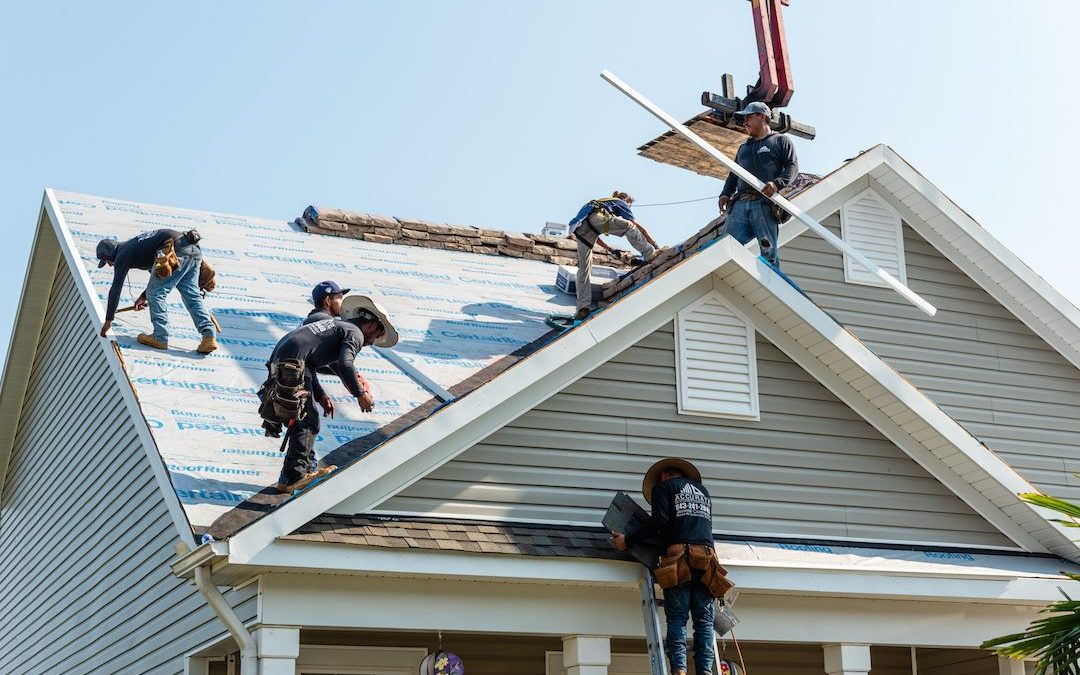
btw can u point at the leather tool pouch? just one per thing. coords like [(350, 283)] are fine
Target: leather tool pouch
[(673, 568), (207, 277), (166, 262), (713, 575)]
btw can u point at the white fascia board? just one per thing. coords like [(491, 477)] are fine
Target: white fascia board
[(408, 457), (108, 347), (1003, 476), (300, 557), (25, 335)]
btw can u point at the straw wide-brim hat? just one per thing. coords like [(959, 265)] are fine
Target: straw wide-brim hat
[(353, 306), (653, 474)]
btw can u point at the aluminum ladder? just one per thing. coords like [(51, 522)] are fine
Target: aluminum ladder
[(654, 637)]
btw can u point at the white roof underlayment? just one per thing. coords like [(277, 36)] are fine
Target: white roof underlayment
[(457, 313)]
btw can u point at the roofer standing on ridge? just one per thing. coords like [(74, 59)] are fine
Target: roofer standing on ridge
[(173, 259), (606, 215), (771, 158), (291, 388), (689, 571)]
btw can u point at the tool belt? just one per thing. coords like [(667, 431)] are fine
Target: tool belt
[(679, 563), (748, 196), (283, 397), (167, 262), (207, 277)]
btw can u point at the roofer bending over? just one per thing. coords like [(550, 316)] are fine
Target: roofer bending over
[(173, 259), (606, 215), (771, 158), (291, 389), (688, 571)]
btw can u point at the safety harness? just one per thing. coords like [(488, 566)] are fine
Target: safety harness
[(598, 207)]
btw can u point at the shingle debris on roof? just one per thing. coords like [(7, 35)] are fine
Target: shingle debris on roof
[(613, 290), (408, 232), (460, 535)]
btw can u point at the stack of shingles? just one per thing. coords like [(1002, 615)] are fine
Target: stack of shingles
[(408, 232), (676, 254)]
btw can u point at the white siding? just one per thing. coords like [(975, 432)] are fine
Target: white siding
[(872, 226), (716, 368), (809, 467), (85, 537), (975, 360)]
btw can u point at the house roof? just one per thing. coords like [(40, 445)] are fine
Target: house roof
[(462, 317)]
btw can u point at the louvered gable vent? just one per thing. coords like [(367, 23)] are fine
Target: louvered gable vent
[(716, 363), (873, 227)]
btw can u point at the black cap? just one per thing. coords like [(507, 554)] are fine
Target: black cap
[(106, 251)]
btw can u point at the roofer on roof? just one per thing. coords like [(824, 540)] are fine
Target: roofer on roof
[(174, 258), (288, 396), (605, 215), (689, 571), (771, 158)]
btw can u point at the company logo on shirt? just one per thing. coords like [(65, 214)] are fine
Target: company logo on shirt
[(692, 502), (764, 149)]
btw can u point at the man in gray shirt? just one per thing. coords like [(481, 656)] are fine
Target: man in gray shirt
[(771, 158)]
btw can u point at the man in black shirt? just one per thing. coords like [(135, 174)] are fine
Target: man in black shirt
[(682, 517), (312, 346), (141, 252), (771, 158)]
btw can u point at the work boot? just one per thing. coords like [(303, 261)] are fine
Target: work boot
[(151, 341), (308, 478), (656, 253), (207, 345), (582, 314)]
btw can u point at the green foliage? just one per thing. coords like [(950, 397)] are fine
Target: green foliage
[(1053, 639)]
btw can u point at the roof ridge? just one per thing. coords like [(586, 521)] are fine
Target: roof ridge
[(380, 229)]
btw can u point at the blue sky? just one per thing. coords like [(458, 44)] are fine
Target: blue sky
[(493, 113)]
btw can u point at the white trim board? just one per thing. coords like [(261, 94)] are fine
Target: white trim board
[(811, 337), (93, 306)]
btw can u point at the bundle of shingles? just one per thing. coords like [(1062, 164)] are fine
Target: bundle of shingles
[(676, 254), (408, 232)]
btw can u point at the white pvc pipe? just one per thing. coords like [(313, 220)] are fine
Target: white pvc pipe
[(836, 242), (249, 651)]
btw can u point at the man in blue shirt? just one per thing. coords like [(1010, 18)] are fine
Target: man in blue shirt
[(771, 158), (606, 215)]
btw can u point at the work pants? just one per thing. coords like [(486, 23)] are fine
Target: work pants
[(682, 602), (184, 279), (754, 219), (300, 454), (606, 223)]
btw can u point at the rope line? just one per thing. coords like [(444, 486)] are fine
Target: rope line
[(686, 201)]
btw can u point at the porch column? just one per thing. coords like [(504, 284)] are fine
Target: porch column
[(586, 654), (845, 659), (1007, 666), (196, 665), (279, 647)]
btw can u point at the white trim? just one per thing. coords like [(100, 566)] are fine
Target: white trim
[(717, 408), (853, 272), (123, 385), (621, 664), (359, 660)]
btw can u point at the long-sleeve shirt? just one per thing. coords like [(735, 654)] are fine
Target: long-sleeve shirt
[(681, 514), (314, 315), (615, 207), (770, 159), (320, 344), (136, 253)]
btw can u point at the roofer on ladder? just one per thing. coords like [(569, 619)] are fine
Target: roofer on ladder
[(771, 158), (605, 215), (292, 387), (688, 572), (173, 259)]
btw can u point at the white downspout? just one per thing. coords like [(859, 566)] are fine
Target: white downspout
[(249, 651)]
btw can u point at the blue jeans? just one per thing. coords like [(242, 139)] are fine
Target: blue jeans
[(185, 280), (755, 220), (681, 602)]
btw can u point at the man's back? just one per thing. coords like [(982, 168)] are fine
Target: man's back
[(319, 343), (688, 509)]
